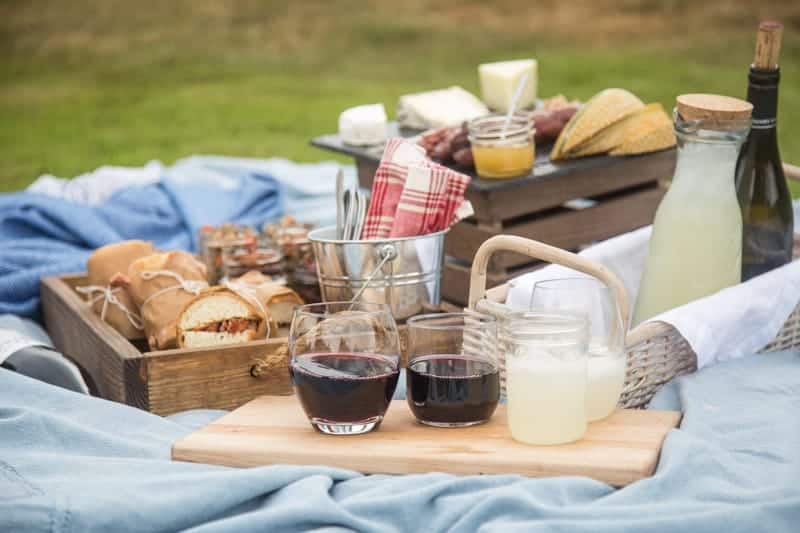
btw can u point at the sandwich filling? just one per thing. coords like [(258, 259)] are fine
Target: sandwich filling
[(218, 318), (231, 325)]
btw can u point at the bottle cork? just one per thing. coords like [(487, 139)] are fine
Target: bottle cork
[(768, 45)]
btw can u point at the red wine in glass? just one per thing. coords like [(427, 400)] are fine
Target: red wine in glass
[(452, 390), (344, 392)]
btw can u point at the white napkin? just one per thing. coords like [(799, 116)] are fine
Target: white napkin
[(734, 322)]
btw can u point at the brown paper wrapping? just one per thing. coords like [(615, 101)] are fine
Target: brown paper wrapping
[(268, 293), (162, 285), (103, 265)]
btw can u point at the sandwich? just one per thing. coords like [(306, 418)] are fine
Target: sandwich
[(111, 301), (248, 308), (161, 285), (218, 316), (279, 300)]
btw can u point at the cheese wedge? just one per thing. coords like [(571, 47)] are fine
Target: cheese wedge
[(498, 81), (632, 126), (602, 110)]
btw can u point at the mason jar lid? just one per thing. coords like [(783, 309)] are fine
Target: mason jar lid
[(490, 128)]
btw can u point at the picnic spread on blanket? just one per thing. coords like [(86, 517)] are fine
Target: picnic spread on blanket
[(398, 318)]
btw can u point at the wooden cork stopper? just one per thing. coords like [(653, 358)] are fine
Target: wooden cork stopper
[(713, 107), (768, 45)]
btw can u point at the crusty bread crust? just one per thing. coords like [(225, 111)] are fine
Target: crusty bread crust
[(185, 322)]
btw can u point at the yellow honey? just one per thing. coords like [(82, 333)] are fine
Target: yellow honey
[(503, 160)]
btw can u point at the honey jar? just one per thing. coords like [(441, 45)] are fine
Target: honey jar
[(502, 152)]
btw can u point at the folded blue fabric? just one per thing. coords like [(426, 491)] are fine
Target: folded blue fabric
[(42, 235), (74, 463)]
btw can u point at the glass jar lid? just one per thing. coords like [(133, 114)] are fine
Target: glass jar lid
[(712, 117), (489, 129)]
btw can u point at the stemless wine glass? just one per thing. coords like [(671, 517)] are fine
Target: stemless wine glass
[(606, 364), (345, 364), (546, 377), (452, 379)]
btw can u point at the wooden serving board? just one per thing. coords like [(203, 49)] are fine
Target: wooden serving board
[(274, 430)]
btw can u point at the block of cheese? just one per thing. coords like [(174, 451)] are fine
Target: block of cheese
[(498, 81), (363, 125), (436, 109)]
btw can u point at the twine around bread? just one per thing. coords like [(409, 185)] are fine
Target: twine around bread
[(193, 286), (251, 295), (108, 297)]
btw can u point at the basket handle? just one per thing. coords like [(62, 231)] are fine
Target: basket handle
[(792, 172), (550, 254)]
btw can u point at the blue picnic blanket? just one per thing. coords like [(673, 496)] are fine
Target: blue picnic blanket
[(42, 235), (74, 463)]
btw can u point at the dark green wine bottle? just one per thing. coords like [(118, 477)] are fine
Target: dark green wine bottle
[(767, 215)]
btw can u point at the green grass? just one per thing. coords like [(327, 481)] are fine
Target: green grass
[(74, 99)]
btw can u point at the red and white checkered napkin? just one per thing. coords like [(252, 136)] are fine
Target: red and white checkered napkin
[(412, 195)]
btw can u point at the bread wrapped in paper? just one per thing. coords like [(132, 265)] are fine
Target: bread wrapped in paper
[(245, 309), (162, 285), (222, 315), (110, 300), (279, 300)]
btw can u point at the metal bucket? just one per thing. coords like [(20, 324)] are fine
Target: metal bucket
[(405, 273)]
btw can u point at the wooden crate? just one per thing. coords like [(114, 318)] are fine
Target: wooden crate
[(624, 193), (162, 382), (570, 229), (564, 227)]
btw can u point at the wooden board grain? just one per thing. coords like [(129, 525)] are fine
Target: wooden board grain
[(274, 430)]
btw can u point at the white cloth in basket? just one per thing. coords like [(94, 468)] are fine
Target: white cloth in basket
[(732, 323)]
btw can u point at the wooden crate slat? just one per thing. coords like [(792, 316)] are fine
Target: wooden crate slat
[(214, 378), (585, 178), (566, 228)]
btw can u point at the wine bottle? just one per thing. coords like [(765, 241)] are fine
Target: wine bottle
[(767, 216)]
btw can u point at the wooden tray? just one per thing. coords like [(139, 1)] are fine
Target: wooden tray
[(272, 430), (165, 381)]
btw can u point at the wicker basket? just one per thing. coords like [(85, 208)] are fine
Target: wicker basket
[(656, 351)]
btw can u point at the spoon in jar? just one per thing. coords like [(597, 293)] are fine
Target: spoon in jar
[(512, 107), (339, 206)]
